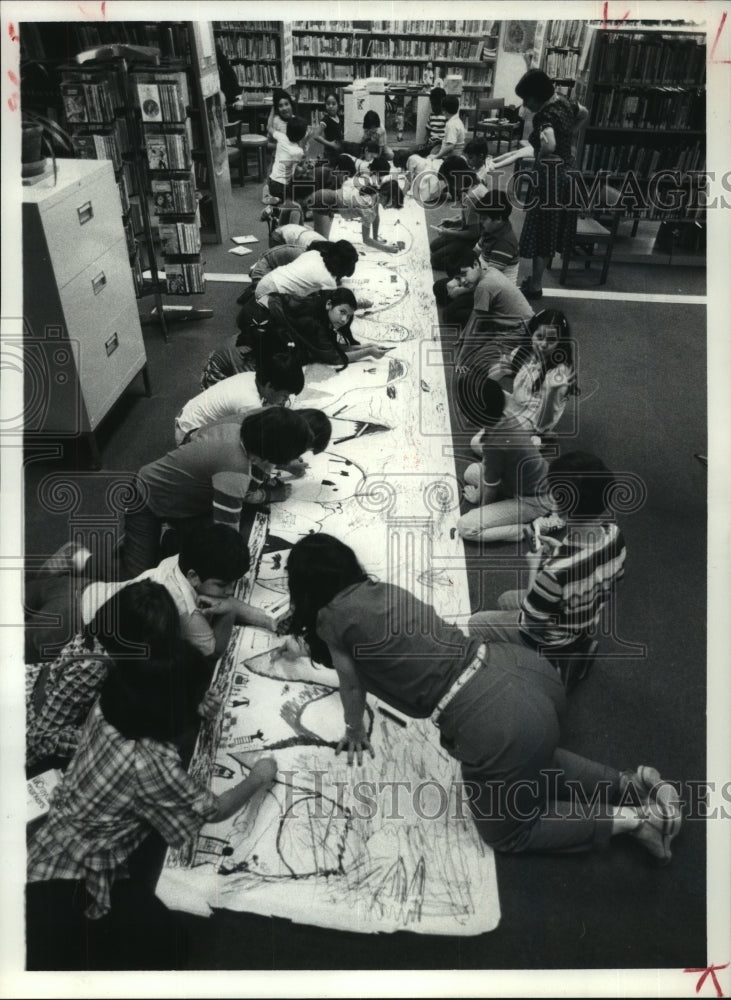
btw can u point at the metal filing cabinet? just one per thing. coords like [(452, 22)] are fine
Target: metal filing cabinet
[(82, 340)]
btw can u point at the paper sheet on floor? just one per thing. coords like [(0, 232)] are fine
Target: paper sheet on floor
[(351, 848)]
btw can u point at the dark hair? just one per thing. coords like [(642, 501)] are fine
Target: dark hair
[(494, 204), (281, 371), (139, 620), (156, 699), (371, 120), (216, 552), (277, 95), (296, 129), (451, 104), (275, 435), (401, 157), (459, 176), (345, 164), (318, 568), (392, 189), (371, 147), (580, 483), (340, 258), (476, 147), (380, 166), (562, 351), (331, 93), (320, 428), (436, 99), (479, 397), (535, 85)]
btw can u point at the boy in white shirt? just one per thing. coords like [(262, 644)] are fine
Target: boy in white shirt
[(454, 131)]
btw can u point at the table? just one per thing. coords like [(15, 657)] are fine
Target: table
[(329, 845)]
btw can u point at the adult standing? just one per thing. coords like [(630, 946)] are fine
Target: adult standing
[(555, 121)]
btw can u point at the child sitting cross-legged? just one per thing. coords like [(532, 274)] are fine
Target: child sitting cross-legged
[(126, 780)]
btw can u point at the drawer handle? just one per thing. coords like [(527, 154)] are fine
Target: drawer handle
[(85, 213), (112, 344), (99, 283)]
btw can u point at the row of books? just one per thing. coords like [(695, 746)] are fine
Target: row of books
[(249, 46), (435, 27), (161, 101), (643, 159), (569, 34), (87, 103), (184, 279), (391, 48), (661, 108), (173, 196), (257, 75), (168, 152), (44, 40), (629, 58), (471, 75), (224, 26), (178, 238), (561, 64), (98, 146), (417, 47), (309, 69)]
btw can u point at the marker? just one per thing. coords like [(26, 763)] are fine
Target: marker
[(392, 717)]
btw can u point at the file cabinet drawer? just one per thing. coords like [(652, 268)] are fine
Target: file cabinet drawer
[(111, 357), (102, 290), (81, 227)]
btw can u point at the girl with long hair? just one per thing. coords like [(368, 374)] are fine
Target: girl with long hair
[(497, 707)]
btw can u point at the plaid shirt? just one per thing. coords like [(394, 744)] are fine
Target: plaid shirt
[(114, 790), (56, 710)]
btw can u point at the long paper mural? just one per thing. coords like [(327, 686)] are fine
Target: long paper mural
[(389, 845)]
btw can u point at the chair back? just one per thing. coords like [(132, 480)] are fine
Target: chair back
[(485, 105)]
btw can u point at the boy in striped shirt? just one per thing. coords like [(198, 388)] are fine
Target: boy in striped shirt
[(571, 577)]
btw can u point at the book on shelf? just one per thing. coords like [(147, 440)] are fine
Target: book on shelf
[(642, 159), (566, 34), (169, 151), (87, 102), (631, 57), (179, 238), (149, 100), (173, 196), (184, 279), (96, 146)]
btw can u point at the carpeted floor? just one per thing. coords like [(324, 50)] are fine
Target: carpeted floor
[(642, 409)]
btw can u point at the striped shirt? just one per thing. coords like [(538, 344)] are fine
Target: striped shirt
[(436, 123), (211, 472), (114, 790), (565, 603), (499, 248)]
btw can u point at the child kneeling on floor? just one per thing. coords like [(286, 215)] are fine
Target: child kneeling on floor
[(127, 779)]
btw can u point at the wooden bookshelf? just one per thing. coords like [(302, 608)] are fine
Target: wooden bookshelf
[(255, 50), (644, 87), (561, 52), (333, 54)]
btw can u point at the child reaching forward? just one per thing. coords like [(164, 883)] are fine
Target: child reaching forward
[(127, 778)]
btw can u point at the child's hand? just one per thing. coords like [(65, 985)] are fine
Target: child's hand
[(471, 493), (297, 468), (377, 350), (291, 649), (275, 494), (389, 248), (211, 705), (213, 606), (355, 743)]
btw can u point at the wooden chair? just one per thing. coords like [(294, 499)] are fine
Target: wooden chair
[(256, 144), (592, 242), (236, 158)]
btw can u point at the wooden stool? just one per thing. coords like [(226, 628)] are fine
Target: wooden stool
[(251, 143)]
